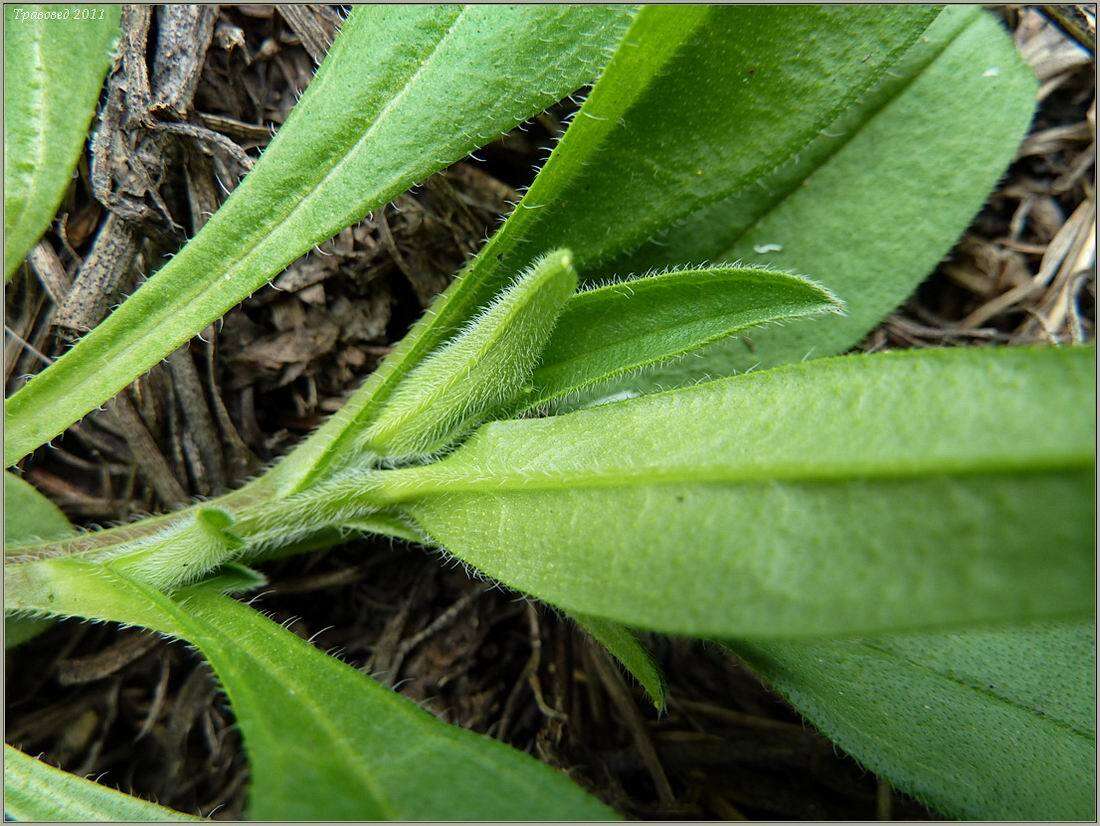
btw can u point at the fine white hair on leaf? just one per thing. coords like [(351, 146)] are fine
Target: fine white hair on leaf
[(181, 554), (484, 366)]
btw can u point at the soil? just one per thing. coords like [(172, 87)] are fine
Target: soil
[(145, 715)]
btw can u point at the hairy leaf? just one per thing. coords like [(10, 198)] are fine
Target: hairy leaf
[(355, 750), (53, 71), (857, 494), (875, 201), (183, 554), (619, 327), (404, 91), (647, 149), (28, 516), (485, 366), (35, 791), (629, 651), (987, 725)]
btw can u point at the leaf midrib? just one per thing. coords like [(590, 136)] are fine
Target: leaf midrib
[(149, 328), (193, 624), (195, 628), (416, 483), (560, 364), (240, 261), (646, 229), (1008, 701), (834, 150), (543, 189)]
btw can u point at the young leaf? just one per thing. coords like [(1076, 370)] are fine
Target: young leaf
[(663, 133), (857, 494), (38, 792), (482, 368), (985, 725), (404, 91), (183, 554), (629, 651), (875, 202), (622, 326), (53, 70), (355, 749)]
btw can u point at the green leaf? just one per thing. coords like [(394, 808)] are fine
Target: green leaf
[(53, 71), (857, 494), (668, 128), (629, 651), (404, 91), (182, 554), (28, 517), (987, 725), (35, 791), (384, 525), (233, 578), (625, 325), (17, 630), (874, 202), (696, 105), (481, 369), (354, 749)]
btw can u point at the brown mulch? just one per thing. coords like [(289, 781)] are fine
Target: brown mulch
[(145, 715)]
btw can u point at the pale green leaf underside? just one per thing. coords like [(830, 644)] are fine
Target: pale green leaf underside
[(857, 494), (648, 149), (874, 202), (404, 91), (35, 791), (53, 71), (620, 327), (629, 651), (989, 725), (353, 749)]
